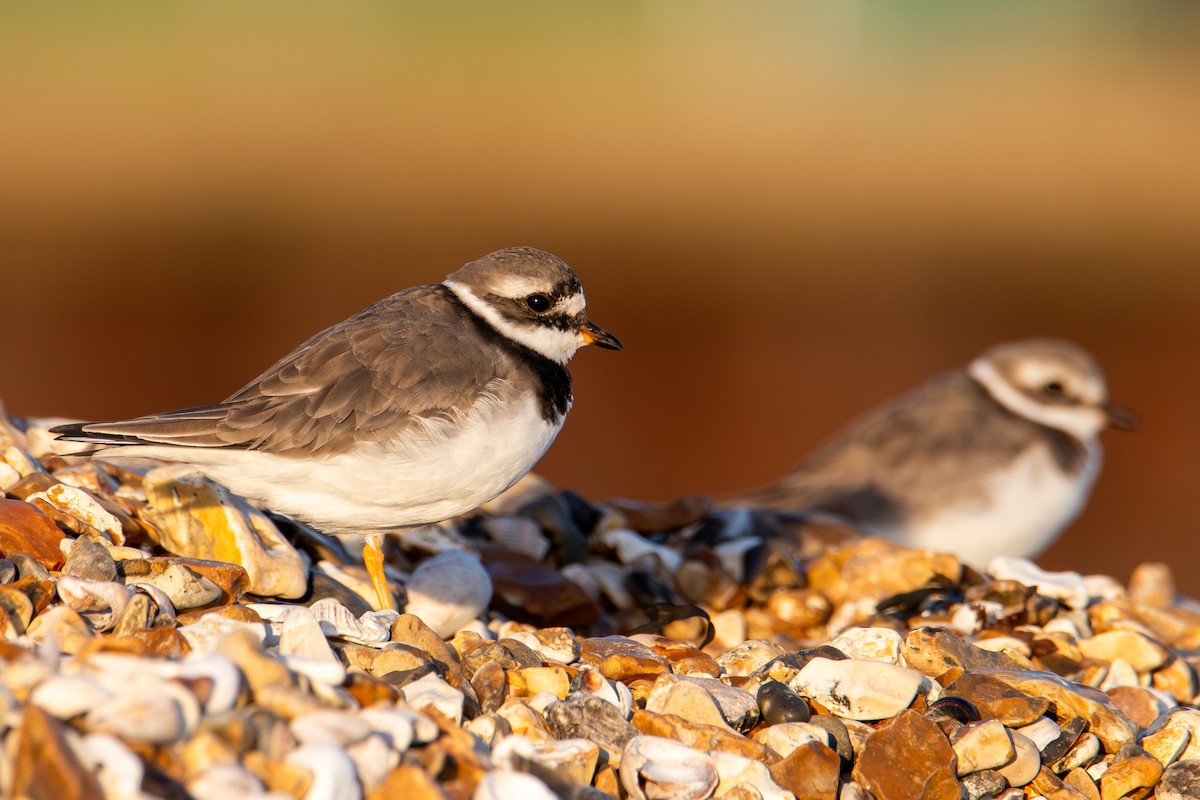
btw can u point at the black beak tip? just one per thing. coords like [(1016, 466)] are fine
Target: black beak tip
[(1121, 418)]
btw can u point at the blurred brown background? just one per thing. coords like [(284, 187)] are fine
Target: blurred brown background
[(789, 212)]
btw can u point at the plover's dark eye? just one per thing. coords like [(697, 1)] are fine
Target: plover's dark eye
[(1053, 388), (538, 302)]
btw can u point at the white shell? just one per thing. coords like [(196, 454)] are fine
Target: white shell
[(117, 768), (67, 696), (574, 759), (206, 635), (732, 555), (373, 760), (510, 785), (631, 546), (303, 647), (655, 767), (734, 770), (334, 775), (98, 602), (430, 690), (329, 727), (374, 628), (396, 726), (448, 590), (151, 715), (223, 781), (518, 535)]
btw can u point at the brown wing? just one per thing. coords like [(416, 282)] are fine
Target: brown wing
[(927, 444), (413, 355)]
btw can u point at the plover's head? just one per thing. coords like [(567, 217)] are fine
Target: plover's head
[(1051, 382), (533, 298)]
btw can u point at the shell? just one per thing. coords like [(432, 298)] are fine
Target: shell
[(654, 767), (518, 535), (448, 590), (99, 602), (373, 629), (573, 759), (508, 785)]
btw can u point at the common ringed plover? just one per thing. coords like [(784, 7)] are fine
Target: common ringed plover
[(992, 460), (416, 409)]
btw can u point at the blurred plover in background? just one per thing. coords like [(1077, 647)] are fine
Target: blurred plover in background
[(992, 460), (418, 408)]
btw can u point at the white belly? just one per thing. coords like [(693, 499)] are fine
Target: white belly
[(435, 473), (1028, 505)]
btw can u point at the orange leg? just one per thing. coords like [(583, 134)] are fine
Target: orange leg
[(373, 559)]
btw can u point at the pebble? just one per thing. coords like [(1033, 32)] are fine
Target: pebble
[(855, 689), (201, 519), (908, 758), (982, 746), (1180, 782), (171, 667)]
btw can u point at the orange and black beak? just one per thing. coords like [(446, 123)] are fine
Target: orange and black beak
[(594, 334), (1118, 417)]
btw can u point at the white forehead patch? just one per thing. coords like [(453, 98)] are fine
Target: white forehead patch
[(571, 305), (1034, 372)]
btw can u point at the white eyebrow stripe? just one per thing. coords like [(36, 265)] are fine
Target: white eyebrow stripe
[(517, 286)]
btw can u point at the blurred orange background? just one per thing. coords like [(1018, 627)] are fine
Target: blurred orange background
[(788, 212)]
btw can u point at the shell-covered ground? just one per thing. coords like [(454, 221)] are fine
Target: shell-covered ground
[(162, 638)]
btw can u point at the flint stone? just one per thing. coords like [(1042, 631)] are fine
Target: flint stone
[(738, 707), (1140, 705), (934, 651), (870, 644), (669, 695), (525, 589), (25, 530), (986, 784), (621, 659), (1103, 716), (861, 690), (701, 737), (788, 736), (995, 699), (589, 717), (909, 758), (1143, 653), (1180, 719), (201, 519), (186, 588), (810, 772), (1180, 781), (1125, 777), (1167, 744), (1025, 764), (45, 765), (982, 746), (778, 704), (748, 657), (91, 561)]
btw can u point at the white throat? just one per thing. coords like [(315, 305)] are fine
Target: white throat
[(1082, 422), (550, 342)]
